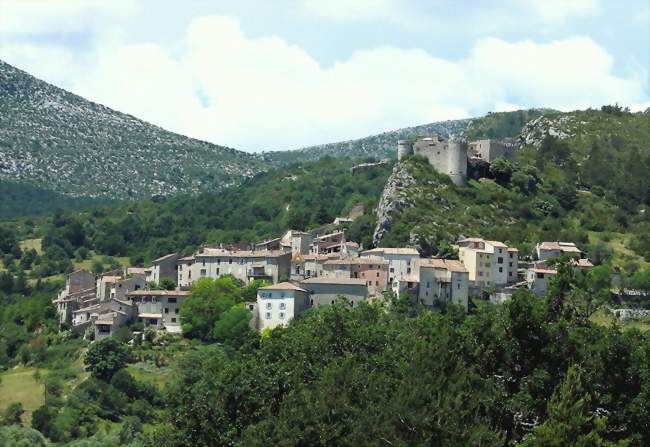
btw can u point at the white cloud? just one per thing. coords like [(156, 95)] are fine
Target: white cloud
[(265, 93)]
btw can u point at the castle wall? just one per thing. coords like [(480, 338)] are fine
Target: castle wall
[(404, 148), (448, 157)]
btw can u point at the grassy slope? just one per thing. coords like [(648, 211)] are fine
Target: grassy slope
[(18, 385)]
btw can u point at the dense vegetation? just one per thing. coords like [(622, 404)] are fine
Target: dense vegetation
[(301, 196), (22, 199), (532, 372)]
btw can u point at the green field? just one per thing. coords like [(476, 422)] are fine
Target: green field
[(28, 244), (18, 385), (604, 318)]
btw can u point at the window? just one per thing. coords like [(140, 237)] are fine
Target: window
[(500, 269), (230, 261), (509, 264), (173, 320), (428, 284), (377, 274), (217, 270), (267, 315), (203, 263), (408, 271), (282, 315), (269, 306), (283, 306), (510, 254), (218, 260), (166, 310), (251, 306), (540, 276), (500, 260), (480, 273), (458, 286), (332, 301), (311, 302), (392, 270), (202, 272), (171, 300)]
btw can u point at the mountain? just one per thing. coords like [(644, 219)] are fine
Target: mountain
[(59, 141), (384, 145)]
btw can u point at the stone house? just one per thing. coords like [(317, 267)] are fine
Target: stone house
[(549, 250), (327, 291), (489, 263), (164, 267), (159, 308), (443, 281), (372, 269), (401, 262), (539, 274), (278, 304), (79, 292)]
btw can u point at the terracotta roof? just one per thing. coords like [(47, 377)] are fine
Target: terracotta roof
[(541, 270), (447, 264), (365, 260), (283, 286), (187, 258), (164, 258), (583, 263), (111, 278), (159, 293), (408, 278), (497, 244), (219, 252), (393, 251), (568, 247), (141, 270), (512, 249), (327, 280), (147, 315)]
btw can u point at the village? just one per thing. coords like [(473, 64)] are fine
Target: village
[(306, 269)]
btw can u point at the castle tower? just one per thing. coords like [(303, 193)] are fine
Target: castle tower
[(457, 161), (404, 148)]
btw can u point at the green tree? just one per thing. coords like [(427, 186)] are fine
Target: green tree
[(105, 357), (232, 327), (16, 436), (208, 300), (13, 414), (571, 421)]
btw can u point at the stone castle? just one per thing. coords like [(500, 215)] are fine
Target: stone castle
[(451, 156)]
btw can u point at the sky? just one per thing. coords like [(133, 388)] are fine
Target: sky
[(272, 75)]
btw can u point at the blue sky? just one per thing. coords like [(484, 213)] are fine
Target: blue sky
[(260, 75)]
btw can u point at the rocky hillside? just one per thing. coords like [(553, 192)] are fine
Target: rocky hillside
[(60, 141), (579, 176), (384, 145)]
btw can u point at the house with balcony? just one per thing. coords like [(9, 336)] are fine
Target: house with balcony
[(159, 308), (245, 265)]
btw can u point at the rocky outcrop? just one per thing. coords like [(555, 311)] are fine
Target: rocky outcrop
[(534, 131), (395, 196)]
